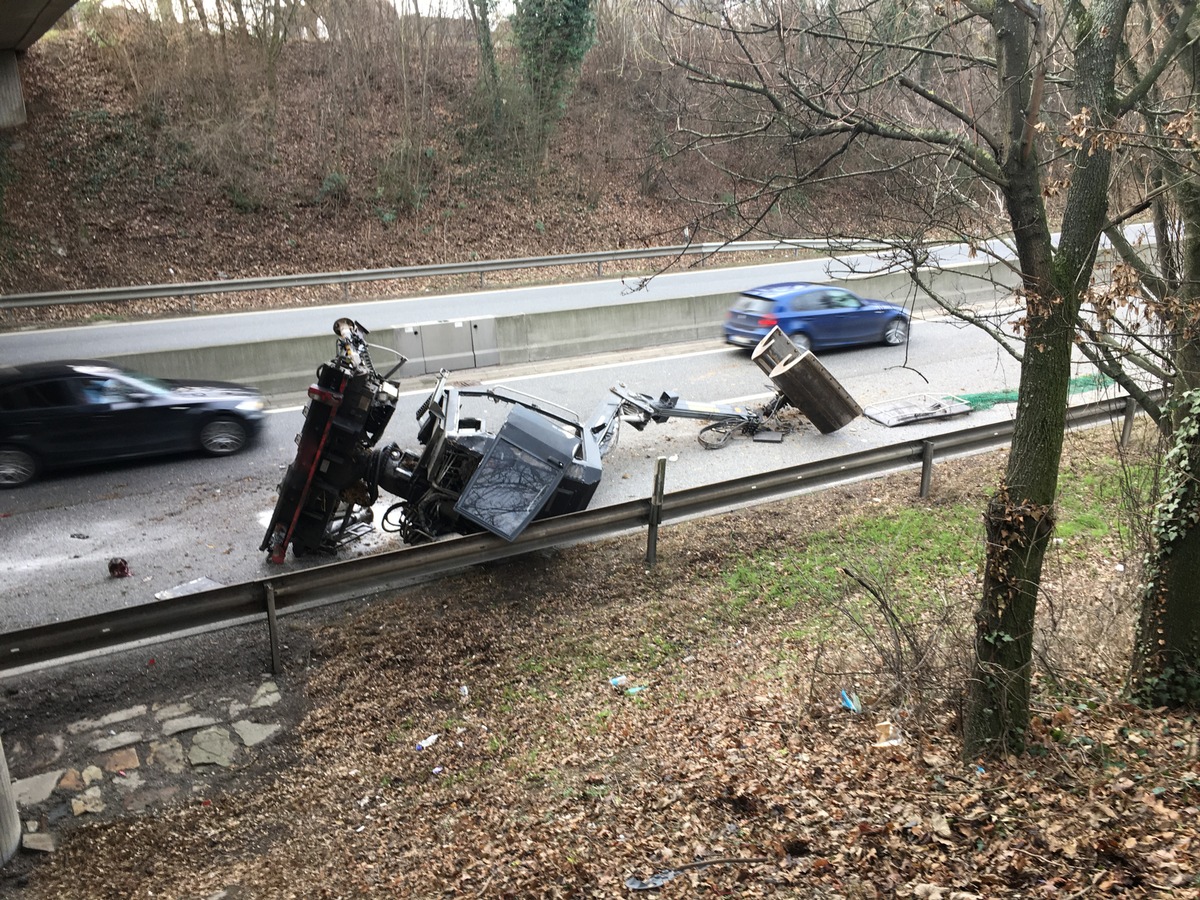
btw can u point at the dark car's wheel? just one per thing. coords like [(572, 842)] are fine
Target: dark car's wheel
[(802, 341), (17, 467), (222, 436), (896, 332)]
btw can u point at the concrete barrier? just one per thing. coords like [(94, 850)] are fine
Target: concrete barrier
[(10, 821), (274, 367), (970, 284), (626, 326), (280, 367), (12, 101)]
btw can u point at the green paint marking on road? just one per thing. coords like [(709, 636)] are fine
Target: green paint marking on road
[(988, 399)]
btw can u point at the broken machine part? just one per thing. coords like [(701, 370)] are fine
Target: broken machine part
[(542, 461)]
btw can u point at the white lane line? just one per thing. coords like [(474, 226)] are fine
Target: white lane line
[(616, 365), (574, 371)]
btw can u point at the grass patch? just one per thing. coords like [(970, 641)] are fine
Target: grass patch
[(913, 552), (1087, 497), (919, 548)]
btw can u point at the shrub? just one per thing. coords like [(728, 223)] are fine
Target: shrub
[(334, 190)]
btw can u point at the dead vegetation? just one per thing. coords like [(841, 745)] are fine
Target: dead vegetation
[(144, 163), (154, 156), (728, 762)]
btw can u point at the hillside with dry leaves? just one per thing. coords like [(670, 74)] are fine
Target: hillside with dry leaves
[(110, 184), (153, 157), (726, 764)]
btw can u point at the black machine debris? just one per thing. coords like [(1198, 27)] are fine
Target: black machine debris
[(542, 461)]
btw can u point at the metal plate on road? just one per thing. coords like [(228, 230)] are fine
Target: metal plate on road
[(917, 408)]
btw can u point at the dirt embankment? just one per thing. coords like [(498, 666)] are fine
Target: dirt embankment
[(118, 179)]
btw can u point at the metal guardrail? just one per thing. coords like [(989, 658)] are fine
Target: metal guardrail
[(294, 591), (231, 285)]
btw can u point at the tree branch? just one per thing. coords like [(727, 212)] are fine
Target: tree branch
[(953, 110), (1109, 365), (1178, 39)]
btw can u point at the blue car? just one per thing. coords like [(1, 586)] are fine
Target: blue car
[(814, 316)]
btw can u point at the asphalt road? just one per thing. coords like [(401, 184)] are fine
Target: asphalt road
[(695, 277), (187, 518), (218, 330)]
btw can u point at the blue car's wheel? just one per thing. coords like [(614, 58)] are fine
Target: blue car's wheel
[(896, 332), (802, 341)]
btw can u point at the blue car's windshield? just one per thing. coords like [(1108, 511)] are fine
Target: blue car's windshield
[(746, 303)]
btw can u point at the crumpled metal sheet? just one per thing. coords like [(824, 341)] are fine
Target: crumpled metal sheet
[(917, 408)]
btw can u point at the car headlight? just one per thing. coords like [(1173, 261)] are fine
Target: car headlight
[(252, 405)]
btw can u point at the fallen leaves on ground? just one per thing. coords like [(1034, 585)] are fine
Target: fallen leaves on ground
[(723, 764)]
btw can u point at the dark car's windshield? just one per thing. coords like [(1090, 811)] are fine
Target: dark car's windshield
[(148, 383), (110, 386)]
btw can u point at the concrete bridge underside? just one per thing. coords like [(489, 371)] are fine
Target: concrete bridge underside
[(22, 22)]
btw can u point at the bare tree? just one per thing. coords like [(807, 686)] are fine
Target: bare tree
[(1166, 285), (239, 14), (947, 105)]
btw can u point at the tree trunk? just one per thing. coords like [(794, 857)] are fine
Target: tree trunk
[(239, 16), (1018, 522), (166, 13), (1166, 662), (480, 16), (1019, 519), (1166, 653), (201, 14)]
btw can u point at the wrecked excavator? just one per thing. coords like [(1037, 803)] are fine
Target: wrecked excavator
[(542, 461)]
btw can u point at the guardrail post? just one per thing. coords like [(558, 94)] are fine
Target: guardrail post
[(926, 467), (656, 505), (272, 627), (1127, 428), (599, 267), (10, 821)]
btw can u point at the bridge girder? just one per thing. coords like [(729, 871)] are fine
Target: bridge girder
[(22, 22)]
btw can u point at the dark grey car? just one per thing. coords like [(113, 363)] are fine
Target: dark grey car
[(57, 415)]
